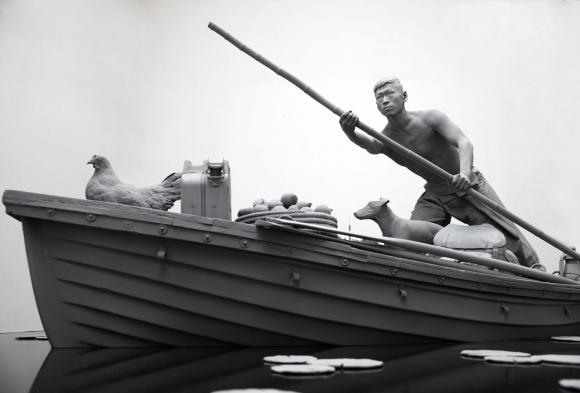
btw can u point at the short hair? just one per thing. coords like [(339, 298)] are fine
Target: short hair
[(387, 81)]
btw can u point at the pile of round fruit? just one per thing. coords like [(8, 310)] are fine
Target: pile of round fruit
[(287, 207)]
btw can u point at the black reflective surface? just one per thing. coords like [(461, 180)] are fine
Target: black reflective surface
[(30, 366)]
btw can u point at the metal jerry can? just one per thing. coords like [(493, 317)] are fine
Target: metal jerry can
[(570, 267), (206, 189)]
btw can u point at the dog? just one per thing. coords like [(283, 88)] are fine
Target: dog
[(393, 226)]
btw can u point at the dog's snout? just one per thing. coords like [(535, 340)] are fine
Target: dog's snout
[(363, 213)]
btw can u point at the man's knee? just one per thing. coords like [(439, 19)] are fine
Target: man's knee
[(527, 256)]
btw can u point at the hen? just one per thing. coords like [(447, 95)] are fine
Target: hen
[(105, 186)]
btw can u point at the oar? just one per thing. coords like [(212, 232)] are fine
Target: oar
[(436, 250), (381, 249), (411, 155)]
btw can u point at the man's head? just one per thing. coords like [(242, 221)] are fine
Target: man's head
[(390, 96)]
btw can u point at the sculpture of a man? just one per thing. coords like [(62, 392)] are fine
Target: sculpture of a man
[(434, 136)]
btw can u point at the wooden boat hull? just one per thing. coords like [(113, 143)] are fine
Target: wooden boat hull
[(118, 276)]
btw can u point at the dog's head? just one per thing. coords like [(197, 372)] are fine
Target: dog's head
[(372, 209)]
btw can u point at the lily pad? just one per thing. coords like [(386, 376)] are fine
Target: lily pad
[(482, 353), (570, 339), (513, 359), (302, 369), (253, 390), (571, 384), (289, 359), (570, 360), (349, 363)]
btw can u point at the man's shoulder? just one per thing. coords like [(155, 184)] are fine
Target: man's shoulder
[(431, 116)]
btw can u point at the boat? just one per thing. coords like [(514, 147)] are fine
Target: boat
[(112, 275)]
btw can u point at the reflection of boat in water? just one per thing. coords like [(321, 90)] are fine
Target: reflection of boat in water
[(119, 276), (407, 368)]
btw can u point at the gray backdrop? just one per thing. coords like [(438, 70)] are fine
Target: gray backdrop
[(148, 85)]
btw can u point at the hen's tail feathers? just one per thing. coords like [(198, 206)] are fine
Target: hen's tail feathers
[(168, 192), (173, 180)]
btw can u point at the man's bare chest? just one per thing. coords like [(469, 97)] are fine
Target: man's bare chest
[(421, 140)]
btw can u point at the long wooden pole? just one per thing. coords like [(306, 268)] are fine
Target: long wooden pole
[(441, 251), (399, 252), (411, 155)]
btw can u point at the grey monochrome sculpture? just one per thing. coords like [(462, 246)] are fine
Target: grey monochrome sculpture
[(394, 226), (105, 186), (407, 155)]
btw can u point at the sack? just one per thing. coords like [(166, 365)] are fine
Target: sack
[(483, 238)]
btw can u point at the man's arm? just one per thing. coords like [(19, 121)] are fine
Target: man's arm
[(348, 122), (455, 136)]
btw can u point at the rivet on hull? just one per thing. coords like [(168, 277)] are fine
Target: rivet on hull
[(161, 253), (91, 217), (403, 293), (162, 229), (566, 311), (295, 276)]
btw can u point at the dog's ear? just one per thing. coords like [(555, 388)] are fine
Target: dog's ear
[(383, 201), (379, 203)]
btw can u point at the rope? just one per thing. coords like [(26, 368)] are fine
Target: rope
[(299, 216)]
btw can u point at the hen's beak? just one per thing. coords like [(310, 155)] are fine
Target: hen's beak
[(91, 161)]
